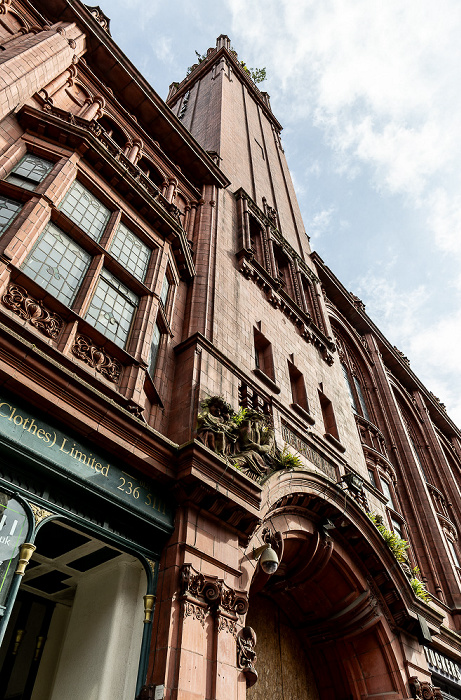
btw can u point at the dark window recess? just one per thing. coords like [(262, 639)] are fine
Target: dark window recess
[(52, 582), (328, 416), (90, 561), (154, 348), (263, 355), (298, 387), (283, 271), (53, 543), (256, 241)]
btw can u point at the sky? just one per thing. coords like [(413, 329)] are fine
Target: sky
[(369, 96)]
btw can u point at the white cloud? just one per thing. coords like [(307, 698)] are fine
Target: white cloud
[(381, 80), (319, 223)]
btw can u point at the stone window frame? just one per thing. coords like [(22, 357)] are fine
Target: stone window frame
[(354, 379), (18, 178), (4, 201)]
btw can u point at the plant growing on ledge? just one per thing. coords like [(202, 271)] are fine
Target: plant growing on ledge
[(419, 588), (258, 75), (287, 460), (395, 543)]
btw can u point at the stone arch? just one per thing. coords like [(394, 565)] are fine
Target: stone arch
[(330, 599), (152, 171), (114, 131)]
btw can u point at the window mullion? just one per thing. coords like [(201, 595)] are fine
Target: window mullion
[(88, 285)]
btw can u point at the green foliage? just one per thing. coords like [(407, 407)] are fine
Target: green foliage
[(256, 74), (238, 417), (419, 588), (287, 460), (395, 543), (200, 58)]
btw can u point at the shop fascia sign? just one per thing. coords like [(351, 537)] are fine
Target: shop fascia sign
[(438, 663), (25, 430)]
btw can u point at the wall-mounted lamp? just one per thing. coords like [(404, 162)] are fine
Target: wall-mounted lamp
[(267, 558)]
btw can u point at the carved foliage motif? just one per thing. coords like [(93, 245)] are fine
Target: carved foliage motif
[(96, 357), (39, 513), (32, 310), (246, 654), (212, 592), (423, 690)]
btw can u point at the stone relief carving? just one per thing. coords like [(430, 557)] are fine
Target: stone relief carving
[(245, 439), (212, 593), (100, 17), (246, 654), (96, 357), (423, 690), (32, 310)]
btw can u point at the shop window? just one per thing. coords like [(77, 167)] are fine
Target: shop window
[(298, 387), (84, 209), (57, 264), (112, 308), (328, 415), (8, 210), (30, 172), (263, 355), (130, 251)]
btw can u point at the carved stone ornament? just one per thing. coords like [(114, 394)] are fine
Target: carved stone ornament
[(100, 17), (211, 593), (246, 654), (195, 611), (248, 443), (358, 303), (403, 357), (32, 310), (96, 357), (39, 513), (423, 690)]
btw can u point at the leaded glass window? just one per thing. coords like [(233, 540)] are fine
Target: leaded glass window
[(165, 290), (30, 172), (387, 492), (363, 405), (86, 210), (112, 308), (8, 210), (154, 348), (57, 264), (349, 388), (130, 251)]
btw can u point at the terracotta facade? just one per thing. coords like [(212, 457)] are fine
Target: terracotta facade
[(183, 382)]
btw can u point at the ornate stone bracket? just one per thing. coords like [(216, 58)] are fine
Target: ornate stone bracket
[(32, 310), (203, 594), (246, 654), (423, 690), (96, 357)]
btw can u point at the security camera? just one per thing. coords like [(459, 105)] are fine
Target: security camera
[(268, 559)]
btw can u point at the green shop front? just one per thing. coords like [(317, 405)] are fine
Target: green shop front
[(80, 540)]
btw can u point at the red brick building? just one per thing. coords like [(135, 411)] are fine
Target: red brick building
[(196, 418)]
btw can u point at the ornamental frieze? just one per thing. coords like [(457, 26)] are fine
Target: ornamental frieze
[(97, 358), (19, 301)]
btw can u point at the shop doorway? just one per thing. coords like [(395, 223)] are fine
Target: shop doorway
[(76, 628)]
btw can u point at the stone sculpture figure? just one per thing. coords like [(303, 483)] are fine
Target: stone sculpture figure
[(256, 443), (246, 654), (215, 428)]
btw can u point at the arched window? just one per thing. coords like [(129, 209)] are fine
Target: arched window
[(151, 171), (353, 379)]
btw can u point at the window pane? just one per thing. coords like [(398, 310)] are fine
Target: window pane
[(154, 348), (30, 172), (454, 554), (417, 457), (397, 527), (361, 399), (85, 210), (371, 476), (349, 388), (387, 492), (164, 292), (57, 263), (130, 251), (8, 210), (112, 308)]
